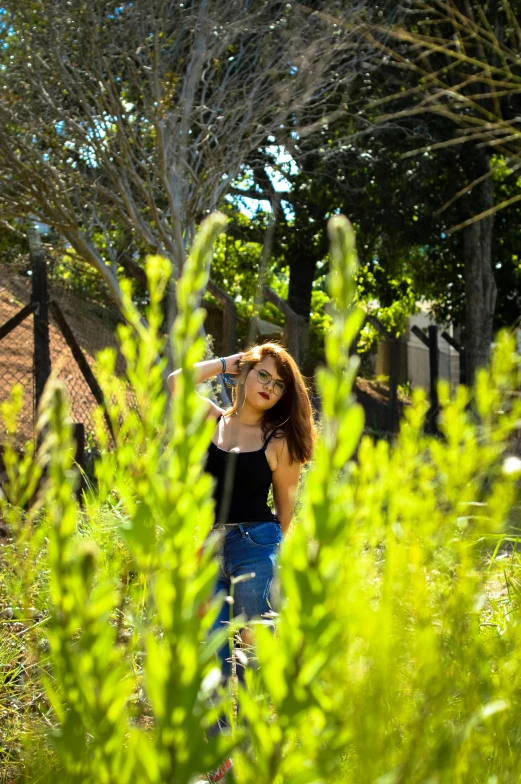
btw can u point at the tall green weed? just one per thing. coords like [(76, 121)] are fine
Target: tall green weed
[(393, 660)]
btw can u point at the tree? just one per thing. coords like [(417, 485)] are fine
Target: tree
[(396, 202), (141, 115), (333, 171), (460, 61)]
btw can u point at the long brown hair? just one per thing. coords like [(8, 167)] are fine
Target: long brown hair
[(292, 412)]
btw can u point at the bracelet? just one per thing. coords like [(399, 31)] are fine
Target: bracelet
[(231, 381)]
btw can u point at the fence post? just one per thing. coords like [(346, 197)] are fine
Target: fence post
[(431, 341), (229, 339), (394, 362), (461, 351), (81, 361), (40, 299), (462, 366), (79, 457), (434, 375)]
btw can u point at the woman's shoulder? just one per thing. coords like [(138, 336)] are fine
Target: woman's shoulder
[(277, 438)]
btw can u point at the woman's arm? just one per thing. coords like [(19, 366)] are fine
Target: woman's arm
[(285, 484), (207, 369)]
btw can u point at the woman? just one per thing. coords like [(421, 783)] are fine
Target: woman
[(259, 443)]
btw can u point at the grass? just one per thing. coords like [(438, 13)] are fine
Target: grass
[(25, 713)]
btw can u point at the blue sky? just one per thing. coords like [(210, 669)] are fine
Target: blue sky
[(285, 163)]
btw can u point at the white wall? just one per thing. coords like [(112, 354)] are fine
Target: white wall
[(414, 362)]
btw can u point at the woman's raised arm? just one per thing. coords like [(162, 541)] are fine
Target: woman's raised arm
[(208, 368)]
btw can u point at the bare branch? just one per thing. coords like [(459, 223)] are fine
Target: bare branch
[(143, 118)]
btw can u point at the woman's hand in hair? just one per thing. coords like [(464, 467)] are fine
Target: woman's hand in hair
[(232, 363)]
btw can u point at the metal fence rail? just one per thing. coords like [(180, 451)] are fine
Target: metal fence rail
[(78, 328)]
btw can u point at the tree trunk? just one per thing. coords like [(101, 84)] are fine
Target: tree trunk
[(295, 325), (40, 297), (301, 277), (480, 286)]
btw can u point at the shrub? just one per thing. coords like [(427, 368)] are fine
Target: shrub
[(395, 658)]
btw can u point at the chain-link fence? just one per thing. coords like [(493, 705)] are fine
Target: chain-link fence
[(17, 348), (92, 319)]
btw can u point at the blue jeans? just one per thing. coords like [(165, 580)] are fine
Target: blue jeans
[(246, 550)]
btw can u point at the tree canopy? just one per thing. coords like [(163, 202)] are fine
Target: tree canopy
[(142, 115), (122, 126)]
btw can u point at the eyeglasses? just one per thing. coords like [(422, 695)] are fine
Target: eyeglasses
[(279, 387)]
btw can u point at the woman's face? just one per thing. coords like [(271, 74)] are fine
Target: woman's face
[(258, 394)]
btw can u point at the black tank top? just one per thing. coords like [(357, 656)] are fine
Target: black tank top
[(243, 481)]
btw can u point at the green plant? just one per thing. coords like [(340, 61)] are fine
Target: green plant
[(396, 655)]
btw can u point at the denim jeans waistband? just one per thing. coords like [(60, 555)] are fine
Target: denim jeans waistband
[(233, 526)]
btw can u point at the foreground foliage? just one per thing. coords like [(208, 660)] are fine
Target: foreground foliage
[(397, 654)]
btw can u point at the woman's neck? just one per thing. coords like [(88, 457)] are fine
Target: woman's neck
[(249, 417)]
